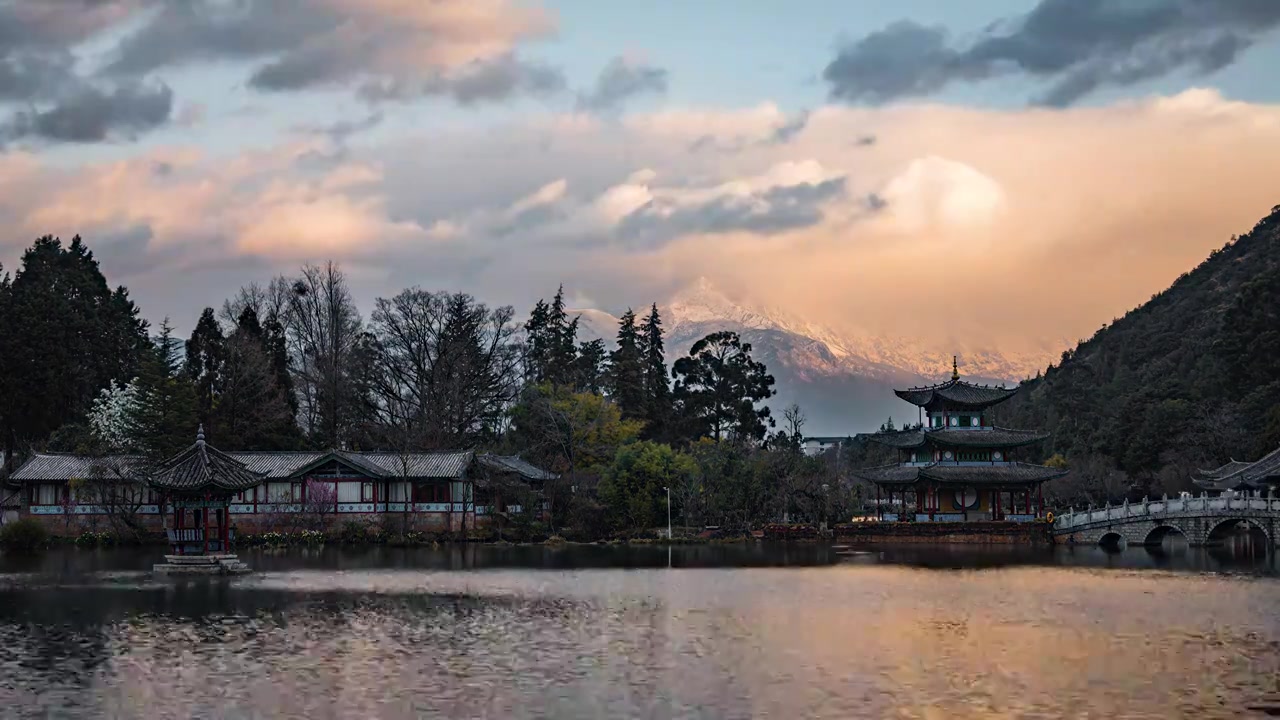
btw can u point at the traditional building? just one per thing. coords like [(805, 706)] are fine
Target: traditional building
[(958, 466), (259, 491), (1261, 476)]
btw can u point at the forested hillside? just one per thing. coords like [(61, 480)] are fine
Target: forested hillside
[(1189, 379)]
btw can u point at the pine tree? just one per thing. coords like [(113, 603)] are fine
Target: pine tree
[(626, 370), (167, 420), (657, 391), (552, 343), (539, 343), (564, 342), (252, 411), (589, 367), (206, 353), (67, 335)]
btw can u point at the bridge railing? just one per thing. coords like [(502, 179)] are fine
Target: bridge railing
[(1166, 506)]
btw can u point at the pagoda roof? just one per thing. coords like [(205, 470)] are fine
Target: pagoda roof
[(956, 392), (984, 437), (1239, 475), (956, 474), (203, 468)]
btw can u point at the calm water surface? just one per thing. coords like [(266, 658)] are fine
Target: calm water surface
[(724, 632)]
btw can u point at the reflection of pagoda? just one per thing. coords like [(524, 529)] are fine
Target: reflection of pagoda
[(959, 466)]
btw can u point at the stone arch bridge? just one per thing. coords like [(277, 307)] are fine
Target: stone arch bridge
[(1201, 520)]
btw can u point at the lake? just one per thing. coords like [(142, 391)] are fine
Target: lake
[(742, 631)]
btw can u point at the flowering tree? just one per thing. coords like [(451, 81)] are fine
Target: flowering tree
[(319, 502), (113, 420)]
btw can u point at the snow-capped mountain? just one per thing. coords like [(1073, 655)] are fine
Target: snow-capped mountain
[(842, 379)]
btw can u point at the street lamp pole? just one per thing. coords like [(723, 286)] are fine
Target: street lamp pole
[(669, 538)]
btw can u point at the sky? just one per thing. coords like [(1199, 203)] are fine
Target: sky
[(1007, 170)]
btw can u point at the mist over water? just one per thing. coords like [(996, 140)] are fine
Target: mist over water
[(588, 632)]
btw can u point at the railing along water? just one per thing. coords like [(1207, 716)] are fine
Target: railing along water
[(1166, 507)]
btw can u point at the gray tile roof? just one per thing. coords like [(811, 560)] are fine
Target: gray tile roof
[(1238, 476), (515, 464), (956, 393), (268, 464), (985, 437), (203, 468), (959, 474), (374, 463), (60, 467)]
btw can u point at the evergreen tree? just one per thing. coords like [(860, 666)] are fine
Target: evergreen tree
[(657, 390), (206, 353), (564, 342), (251, 410), (589, 367), (552, 343), (538, 341), (718, 386), (67, 336), (626, 369), (166, 421)]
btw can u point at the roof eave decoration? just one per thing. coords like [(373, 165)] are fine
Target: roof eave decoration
[(201, 468)]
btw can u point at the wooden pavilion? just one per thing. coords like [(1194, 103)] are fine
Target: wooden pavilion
[(199, 484)]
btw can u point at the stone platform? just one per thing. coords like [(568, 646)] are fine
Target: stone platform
[(212, 564)]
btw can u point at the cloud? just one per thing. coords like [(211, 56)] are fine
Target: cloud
[(620, 81), (788, 196), (388, 49), (1000, 226), (94, 115), (1075, 46), (38, 74)]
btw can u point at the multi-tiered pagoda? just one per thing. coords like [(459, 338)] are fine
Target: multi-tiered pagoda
[(958, 466)]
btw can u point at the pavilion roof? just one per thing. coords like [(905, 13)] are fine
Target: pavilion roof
[(203, 467), (946, 473), (957, 392), (984, 437), (1240, 475)]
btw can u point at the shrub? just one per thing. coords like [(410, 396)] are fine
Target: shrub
[(354, 533), (25, 535), (89, 538)]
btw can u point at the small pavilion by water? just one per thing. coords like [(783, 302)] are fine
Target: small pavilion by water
[(198, 484)]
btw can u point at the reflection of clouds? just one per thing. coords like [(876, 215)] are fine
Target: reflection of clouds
[(843, 641)]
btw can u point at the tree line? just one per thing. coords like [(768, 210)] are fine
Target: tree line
[(293, 365)]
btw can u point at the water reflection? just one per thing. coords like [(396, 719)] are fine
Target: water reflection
[(733, 631)]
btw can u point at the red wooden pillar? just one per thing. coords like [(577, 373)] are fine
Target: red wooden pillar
[(1027, 493), (1040, 500), (205, 535)]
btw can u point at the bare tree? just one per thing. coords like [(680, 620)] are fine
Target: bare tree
[(324, 330), (447, 368)]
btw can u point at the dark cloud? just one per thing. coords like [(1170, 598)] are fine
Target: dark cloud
[(619, 82), (789, 129), (1077, 46), (768, 212), (304, 45), (94, 115)]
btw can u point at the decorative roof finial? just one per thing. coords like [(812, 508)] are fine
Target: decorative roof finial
[(200, 435), (955, 368)]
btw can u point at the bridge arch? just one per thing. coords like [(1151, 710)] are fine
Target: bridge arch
[(1219, 531), (1160, 532), (1111, 540)]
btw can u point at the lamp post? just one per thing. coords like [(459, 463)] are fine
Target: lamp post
[(669, 538)]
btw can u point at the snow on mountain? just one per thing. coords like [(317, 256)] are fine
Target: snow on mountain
[(843, 380)]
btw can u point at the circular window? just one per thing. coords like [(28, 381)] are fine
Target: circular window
[(946, 455), (955, 421), (997, 456), (966, 499)]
